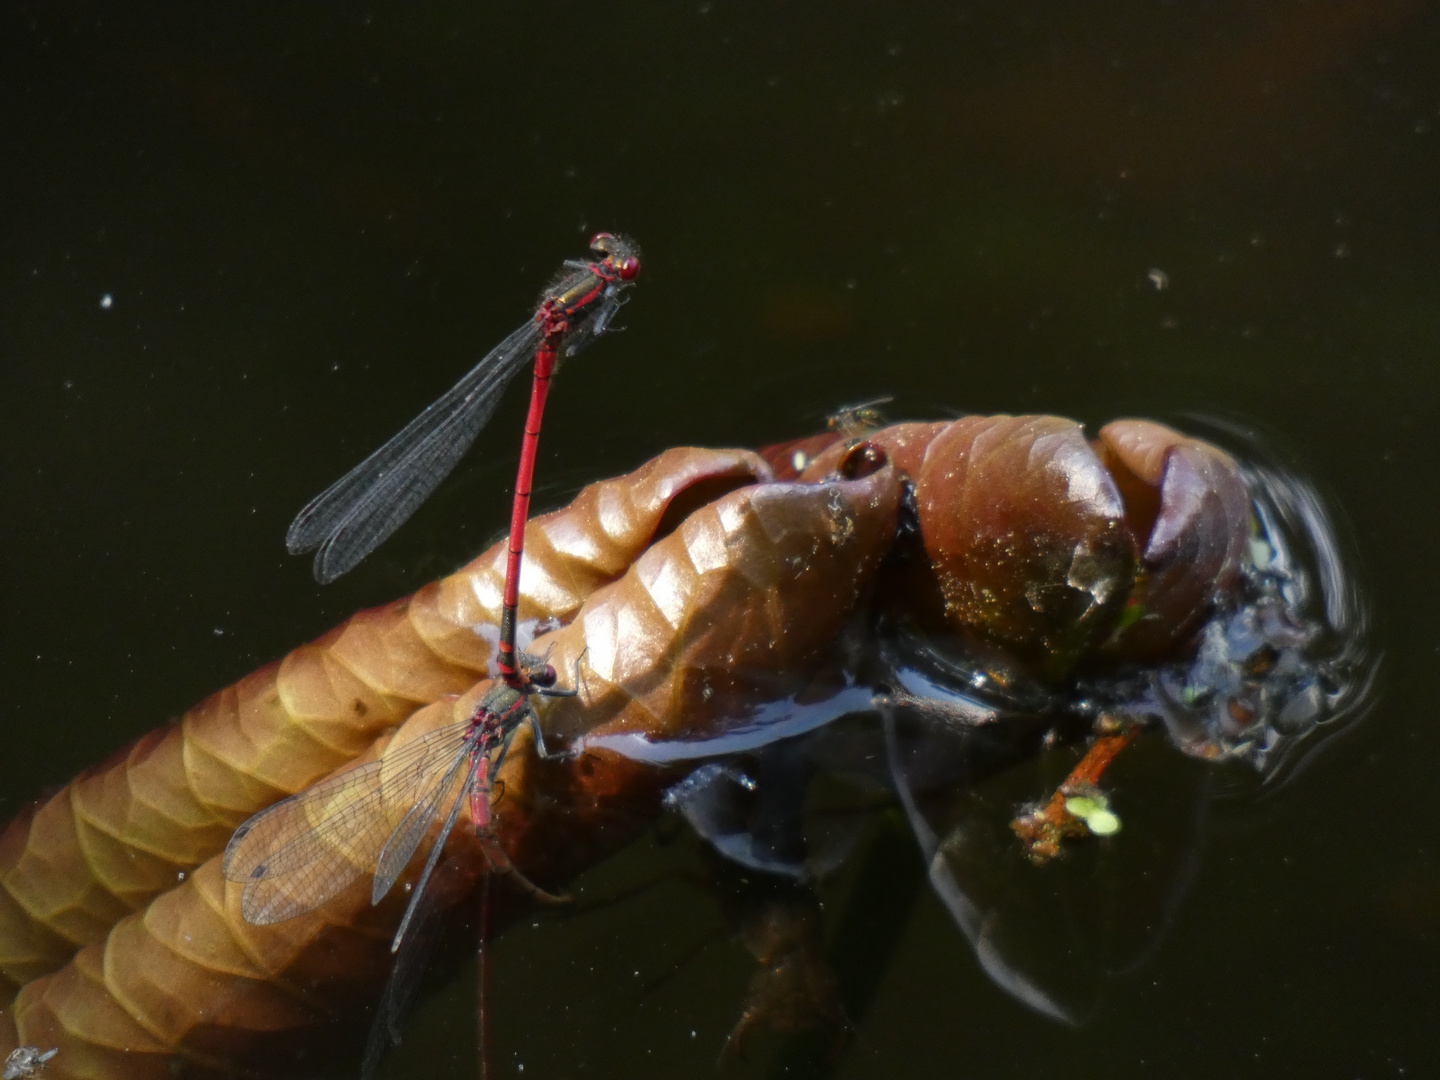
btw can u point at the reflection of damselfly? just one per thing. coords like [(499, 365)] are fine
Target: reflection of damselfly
[(356, 513), (302, 851)]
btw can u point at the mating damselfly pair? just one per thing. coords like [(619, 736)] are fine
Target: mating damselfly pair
[(301, 852)]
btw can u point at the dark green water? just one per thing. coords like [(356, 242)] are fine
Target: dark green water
[(310, 221)]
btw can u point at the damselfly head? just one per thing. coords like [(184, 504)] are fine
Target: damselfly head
[(621, 254)]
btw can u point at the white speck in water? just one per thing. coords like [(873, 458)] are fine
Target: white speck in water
[(219, 631), (1159, 279), (180, 876), (107, 302), (692, 1034)]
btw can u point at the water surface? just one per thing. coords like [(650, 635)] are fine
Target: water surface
[(240, 247)]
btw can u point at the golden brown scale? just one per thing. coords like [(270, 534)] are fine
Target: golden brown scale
[(789, 459), (906, 445), (1188, 506), (718, 611), (749, 590), (1026, 531), (107, 843), (1058, 549), (104, 845)]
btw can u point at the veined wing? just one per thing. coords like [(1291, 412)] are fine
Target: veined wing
[(472, 766), (412, 962), (356, 513), (406, 837), (300, 852)]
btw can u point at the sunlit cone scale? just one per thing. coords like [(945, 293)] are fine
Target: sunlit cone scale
[(749, 591), (121, 832), (1188, 507), (1063, 549), (117, 835)]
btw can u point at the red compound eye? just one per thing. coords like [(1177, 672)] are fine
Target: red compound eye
[(629, 267)]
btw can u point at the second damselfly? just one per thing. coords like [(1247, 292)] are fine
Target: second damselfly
[(359, 511)]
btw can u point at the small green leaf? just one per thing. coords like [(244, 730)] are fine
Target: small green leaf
[(1095, 812), (1103, 823)]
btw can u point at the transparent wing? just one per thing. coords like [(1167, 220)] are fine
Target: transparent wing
[(300, 852), (435, 851), (401, 845), (351, 517)]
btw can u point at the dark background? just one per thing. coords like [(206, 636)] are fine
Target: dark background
[(310, 220)]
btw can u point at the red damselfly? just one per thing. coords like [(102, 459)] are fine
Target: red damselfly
[(356, 513), (303, 851), (297, 854)]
